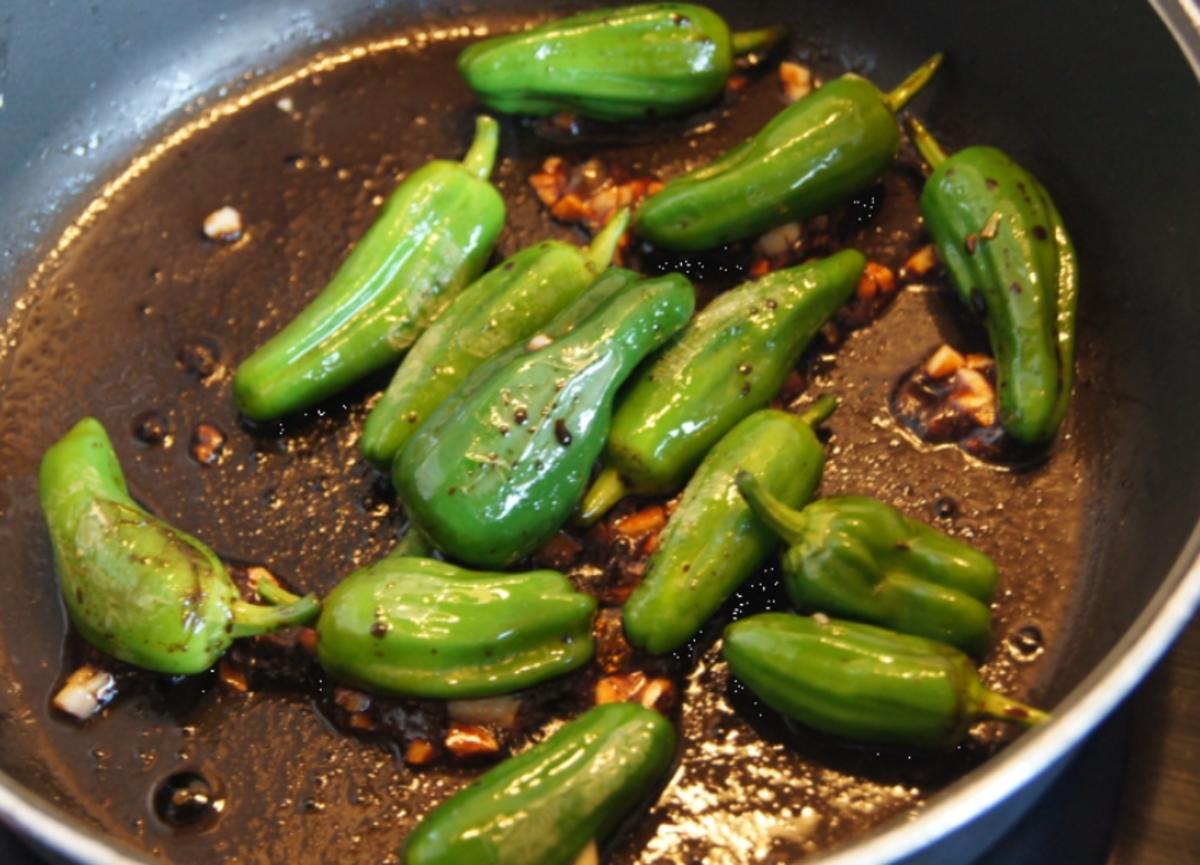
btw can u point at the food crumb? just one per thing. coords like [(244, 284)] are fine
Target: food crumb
[(208, 444)]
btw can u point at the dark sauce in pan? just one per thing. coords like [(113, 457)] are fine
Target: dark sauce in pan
[(140, 320)]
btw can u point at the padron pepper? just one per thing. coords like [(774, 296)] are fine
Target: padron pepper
[(625, 63), (432, 238), (417, 627), (713, 540), (545, 805), (731, 360), (1010, 258), (865, 683), (812, 156), (505, 306), (856, 557), (135, 587), (497, 469)]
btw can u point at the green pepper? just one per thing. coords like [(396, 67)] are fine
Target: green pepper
[(498, 468), (1013, 264), (611, 64), (730, 361), (857, 557), (865, 683), (433, 236), (713, 541), (812, 156), (544, 806), (135, 587), (504, 307), (415, 627)]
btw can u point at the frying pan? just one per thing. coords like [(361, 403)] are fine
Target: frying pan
[(1098, 545)]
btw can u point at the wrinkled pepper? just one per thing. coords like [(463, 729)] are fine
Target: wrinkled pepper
[(1013, 264), (506, 306), (416, 627), (731, 360), (865, 683), (432, 237), (812, 156), (496, 470), (625, 63), (713, 540), (135, 587), (858, 558), (544, 806)]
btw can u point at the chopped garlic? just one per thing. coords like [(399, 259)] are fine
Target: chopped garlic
[(86, 692), (224, 224), (797, 80)]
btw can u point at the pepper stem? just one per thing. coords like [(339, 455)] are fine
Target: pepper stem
[(927, 145), (252, 619), (749, 41), (482, 155), (912, 85), (604, 244), (781, 519), (994, 705), (604, 493), (274, 594), (820, 410)]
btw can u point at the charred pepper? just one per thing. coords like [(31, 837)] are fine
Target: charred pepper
[(135, 587), (812, 156), (506, 306), (713, 540), (625, 63), (1013, 264), (498, 468), (416, 627), (730, 361), (856, 557), (865, 683), (544, 806), (433, 236)]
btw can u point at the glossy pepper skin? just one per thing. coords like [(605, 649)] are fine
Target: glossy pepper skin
[(135, 587), (545, 805), (432, 237), (858, 558), (865, 683), (506, 306), (416, 627), (713, 540), (492, 475), (810, 157), (730, 361), (625, 63), (1010, 258)]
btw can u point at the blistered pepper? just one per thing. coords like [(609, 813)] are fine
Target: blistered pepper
[(432, 238), (544, 806), (625, 63), (497, 469), (134, 586), (416, 627), (713, 540), (865, 683), (856, 557), (814, 155), (1010, 258), (730, 361), (506, 306)]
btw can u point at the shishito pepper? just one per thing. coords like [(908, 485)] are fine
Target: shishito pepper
[(856, 557), (611, 64), (730, 361), (416, 627), (432, 237), (544, 806), (812, 156), (499, 467), (1013, 264), (713, 540), (135, 587), (506, 306), (863, 682)]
